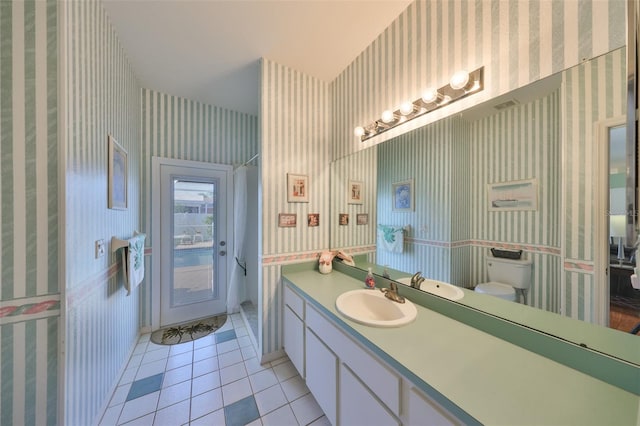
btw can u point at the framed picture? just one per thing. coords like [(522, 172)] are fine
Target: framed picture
[(297, 188), (343, 219), (402, 196), (287, 220), (117, 175), (362, 218), (313, 219), (356, 193), (514, 195)]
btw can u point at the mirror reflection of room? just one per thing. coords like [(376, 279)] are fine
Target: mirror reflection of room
[(624, 302), (451, 230)]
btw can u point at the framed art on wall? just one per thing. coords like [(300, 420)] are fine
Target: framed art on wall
[(287, 220), (513, 195), (355, 193), (297, 188), (117, 186), (402, 196), (313, 219)]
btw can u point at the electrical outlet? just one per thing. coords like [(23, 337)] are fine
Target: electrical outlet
[(100, 248)]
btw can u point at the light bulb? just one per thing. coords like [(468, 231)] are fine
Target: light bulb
[(387, 116), (430, 95), (406, 108), (358, 131), (459, 80)]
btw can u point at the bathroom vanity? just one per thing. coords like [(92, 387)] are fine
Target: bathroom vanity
[(434, 370)]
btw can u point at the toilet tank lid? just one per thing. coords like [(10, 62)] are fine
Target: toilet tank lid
[(522, 262)]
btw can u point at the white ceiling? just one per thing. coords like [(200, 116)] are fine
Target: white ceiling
[(208, 50)]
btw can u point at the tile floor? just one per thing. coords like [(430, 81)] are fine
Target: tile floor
[(215, 380)]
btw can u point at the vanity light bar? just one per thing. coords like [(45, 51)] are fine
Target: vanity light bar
[(462, 84)]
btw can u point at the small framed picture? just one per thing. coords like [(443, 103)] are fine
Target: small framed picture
[(343, 219), (287, 220), (356, 192), (402, 196), (313, 219), (117, 175), (362, 219), (297, 188)]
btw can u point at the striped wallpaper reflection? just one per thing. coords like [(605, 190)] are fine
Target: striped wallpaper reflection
[(451, 163), (592, 92), (423, 156)]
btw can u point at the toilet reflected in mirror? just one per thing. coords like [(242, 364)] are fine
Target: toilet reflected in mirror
[(509, 279)]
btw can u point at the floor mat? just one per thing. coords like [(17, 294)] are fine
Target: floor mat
[(189, 331)]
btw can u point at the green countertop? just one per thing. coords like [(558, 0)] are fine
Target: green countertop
[(489, 379), (615, 343)]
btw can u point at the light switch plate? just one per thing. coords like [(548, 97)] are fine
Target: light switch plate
[(100, 248)]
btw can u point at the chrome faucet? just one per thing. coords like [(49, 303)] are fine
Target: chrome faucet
[(416, 280), (391, 293)]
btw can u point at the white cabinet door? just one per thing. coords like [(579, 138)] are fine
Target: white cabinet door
[(358, 406), (322, 373), (294, 339), (422, 410)]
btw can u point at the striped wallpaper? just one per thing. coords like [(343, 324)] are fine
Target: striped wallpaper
[(522, 142), (29, 284), (591, 92), (518, 42), (294, 130), (304, 124), (423, 155), (360, 167), (101, 97), (179, 128)]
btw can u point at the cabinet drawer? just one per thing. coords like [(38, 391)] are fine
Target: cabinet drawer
[(379, 378), (294, 301)]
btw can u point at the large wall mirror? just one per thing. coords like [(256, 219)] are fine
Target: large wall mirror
[(542, 136)]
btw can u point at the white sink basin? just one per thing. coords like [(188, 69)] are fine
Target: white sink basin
[(439, 288), (371, 307)]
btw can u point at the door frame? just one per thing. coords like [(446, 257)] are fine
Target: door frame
[(156, 164), (601, 273)]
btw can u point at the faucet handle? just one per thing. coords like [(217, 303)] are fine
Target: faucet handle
[(415, 277)]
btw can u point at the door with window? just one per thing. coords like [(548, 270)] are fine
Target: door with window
[(190, 216)]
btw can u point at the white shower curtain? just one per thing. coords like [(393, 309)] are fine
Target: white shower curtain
[(236, 293)]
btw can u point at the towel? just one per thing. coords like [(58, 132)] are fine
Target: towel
[(133, 261), (391, 238)]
